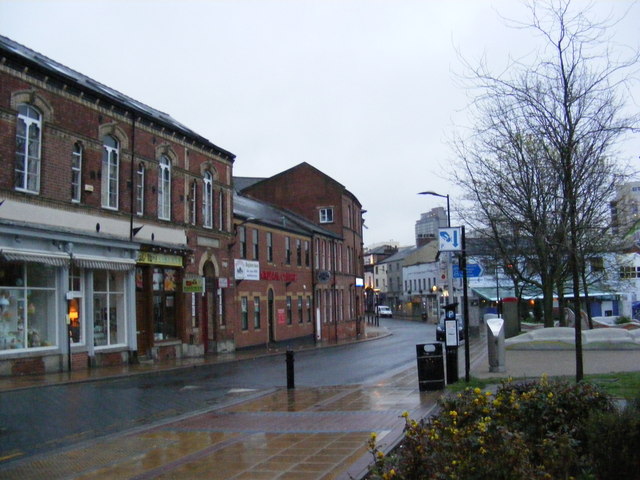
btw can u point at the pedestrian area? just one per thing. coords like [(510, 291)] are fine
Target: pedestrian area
[(304, 433)]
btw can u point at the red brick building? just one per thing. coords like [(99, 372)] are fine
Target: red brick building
[(113, 219), (338, 269)]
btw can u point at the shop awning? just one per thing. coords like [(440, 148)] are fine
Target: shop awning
[(103, 263), (45, 258)]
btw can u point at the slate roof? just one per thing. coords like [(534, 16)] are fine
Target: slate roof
[(265, 214), (19, 55)]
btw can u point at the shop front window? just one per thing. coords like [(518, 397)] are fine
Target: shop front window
[(27, 306), (74, 306), (108, 308), (164, 303)]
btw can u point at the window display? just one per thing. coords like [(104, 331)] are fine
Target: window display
[(27, 306), (108, 308)]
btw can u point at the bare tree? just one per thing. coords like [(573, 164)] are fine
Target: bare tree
[(541, 162)]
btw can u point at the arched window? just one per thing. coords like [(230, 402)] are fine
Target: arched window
[(140, 189), (76, 173), (110, 171), (164, 189), (28, 140), (207, 200)]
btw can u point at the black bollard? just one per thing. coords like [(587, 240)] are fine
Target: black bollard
[(291, 384)]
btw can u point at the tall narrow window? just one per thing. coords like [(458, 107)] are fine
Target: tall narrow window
[(287, 247), (256, 313), (221, 211), (300, 315), (307, 258), (298, 252), (242, 235), (164, 189), (193, 202), (28, 139), (244, 306), (308, 309), (289, 312), (110, 172), (256, 244), (140, 190), (76, 172), (207, 200), (269, 247)]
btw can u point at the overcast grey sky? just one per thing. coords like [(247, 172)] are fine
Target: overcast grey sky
[(364, 90)]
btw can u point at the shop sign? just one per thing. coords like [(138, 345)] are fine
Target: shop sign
[(247, 269), (282, 318), (192, 283), (160, 259), (223, 282), (277, 276)]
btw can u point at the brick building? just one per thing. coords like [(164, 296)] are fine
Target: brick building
[(111, 215), (338, 269)]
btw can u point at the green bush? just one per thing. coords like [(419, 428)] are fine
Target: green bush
[(621, 320), (614, 443), (525, 430)]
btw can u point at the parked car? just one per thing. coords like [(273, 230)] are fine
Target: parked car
[(384, 311), (440, 334)]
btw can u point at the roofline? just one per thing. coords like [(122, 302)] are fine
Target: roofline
[(127, 107)]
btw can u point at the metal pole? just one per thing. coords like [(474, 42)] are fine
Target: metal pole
[(291, 382), (467, 363)]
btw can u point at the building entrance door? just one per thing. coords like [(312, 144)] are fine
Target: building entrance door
[(210, 322)]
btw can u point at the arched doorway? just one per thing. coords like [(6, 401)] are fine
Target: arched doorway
[(271, 315), (209, 309)]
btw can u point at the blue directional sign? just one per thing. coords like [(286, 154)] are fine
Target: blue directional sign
[(473, 270), (450, 239)]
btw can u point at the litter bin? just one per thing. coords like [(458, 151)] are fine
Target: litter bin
[(430, 366)]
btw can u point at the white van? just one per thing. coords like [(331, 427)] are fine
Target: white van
[(384, 311)]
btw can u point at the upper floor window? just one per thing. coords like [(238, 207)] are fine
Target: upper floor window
[(307, 259), (28, 140), (298, 252), (193, 201), (221, 211), (287, 248), (110, 171), (140, 190), (207, 200), (326, 215), (76, 172), (269, 247), (242, 235), (164, 189), (256, 244)]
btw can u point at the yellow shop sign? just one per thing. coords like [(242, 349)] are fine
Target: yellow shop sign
[(160, 259)]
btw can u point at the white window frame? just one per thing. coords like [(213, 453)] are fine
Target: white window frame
[(207, 200), (326, 215), (27, 172), (193, 203), (76, 173), (164, 188), (110, 172), (140, 172)]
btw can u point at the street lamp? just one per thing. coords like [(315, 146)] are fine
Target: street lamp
[(465, 295), (434, 194)]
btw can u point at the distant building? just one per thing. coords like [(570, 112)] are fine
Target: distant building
[(429, 223), (625, 211)]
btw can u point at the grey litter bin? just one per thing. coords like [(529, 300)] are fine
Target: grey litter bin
[(430, 366)]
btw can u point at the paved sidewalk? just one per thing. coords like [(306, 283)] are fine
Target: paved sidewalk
[(302, 434)]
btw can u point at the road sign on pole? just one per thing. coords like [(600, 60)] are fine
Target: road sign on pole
[(450, 239), (474, 270)]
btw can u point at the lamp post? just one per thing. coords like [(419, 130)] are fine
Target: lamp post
[(434, 194)]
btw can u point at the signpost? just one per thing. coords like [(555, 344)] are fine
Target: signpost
[(474, 270)]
